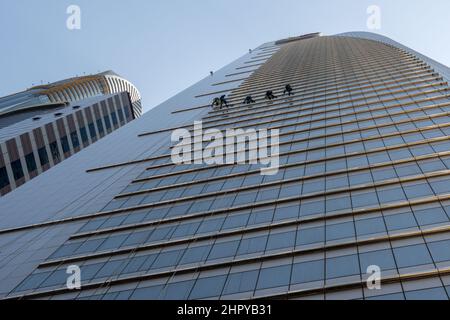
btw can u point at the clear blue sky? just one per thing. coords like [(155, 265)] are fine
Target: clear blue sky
[(164, 46)]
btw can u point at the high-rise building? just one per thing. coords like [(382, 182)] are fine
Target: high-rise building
[(362, 188), (44, 125), (70, 90), (33, 141)]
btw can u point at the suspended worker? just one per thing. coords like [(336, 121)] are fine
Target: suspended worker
[(249, 100), (223, 102), (288, 90), (215, 103), (270, 95)]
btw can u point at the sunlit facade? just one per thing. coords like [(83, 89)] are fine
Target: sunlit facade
[(364, 180)]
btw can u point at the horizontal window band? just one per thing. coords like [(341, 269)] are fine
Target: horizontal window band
[(258, 78), (285, 223), (302, 86), (188, 126), (346, 123), (229, 81), (303, 178), (273, 47), (434, 88), (238, 73), (293, 132), (191, 109), (302, 83), (266, 52), (89, 216), (270, 48), (256, 205), (353, 154), (281, 154), (375, 95), (119, 165), (380, 82), (316, 74), (274, 67), (240, 232), (387, 135), (327, 289), (342, 124), (213, 93), (262, 55), (374, 76), (327, 68), (342, 86), (354, 113), (236, 262), (263, 107), (166, 129), (422, 93), (257, 60), (253, 110), (345, 87), (385, 183), (250, 66)]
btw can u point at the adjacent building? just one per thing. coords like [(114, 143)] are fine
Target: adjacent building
[(363, 186), (44, 125), (70, 90)]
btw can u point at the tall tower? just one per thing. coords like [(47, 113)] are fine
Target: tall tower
[(44, 125), (362, 188)]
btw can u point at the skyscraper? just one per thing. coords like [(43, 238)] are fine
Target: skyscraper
[(362, 188), (45, 125), (71, 90)]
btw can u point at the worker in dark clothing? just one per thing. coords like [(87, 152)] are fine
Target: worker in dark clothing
[(223, 102), (215, 103), (249, 100), (270, 95), (288, 90)]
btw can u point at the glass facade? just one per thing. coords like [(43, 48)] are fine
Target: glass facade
[(39, 147), (364, 180)]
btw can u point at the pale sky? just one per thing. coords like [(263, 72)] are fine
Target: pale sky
[(164, 46)]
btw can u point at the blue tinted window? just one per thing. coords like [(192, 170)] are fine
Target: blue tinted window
[(370, 226), (195, 254), (241, 282), (430, 216), (224, 249), (208, 287), (178, 290), (252, 245), (342, 266), (274, 277), (412, 256), (308, 272), (427, 294), (151, 293), (340, 231), (281, 240), (439, 250), (310, 236), (383, 259), (166, 259)]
